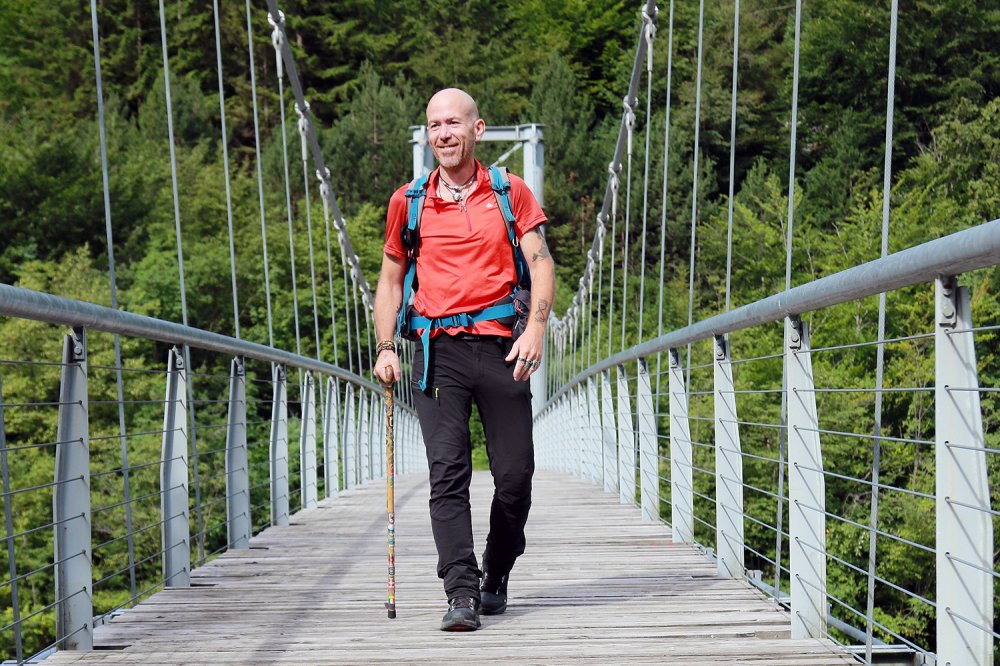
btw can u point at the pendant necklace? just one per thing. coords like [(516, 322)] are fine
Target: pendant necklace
[(456, 190)]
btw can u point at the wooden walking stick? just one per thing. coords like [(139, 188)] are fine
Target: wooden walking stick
[(390, 500)]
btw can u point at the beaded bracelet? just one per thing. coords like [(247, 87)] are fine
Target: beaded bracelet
[(385, 344)]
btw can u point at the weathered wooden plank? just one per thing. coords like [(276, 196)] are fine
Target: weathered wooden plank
[(596, 585)]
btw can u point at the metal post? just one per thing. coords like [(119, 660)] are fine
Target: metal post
[(964, 525), (728, 468), (534, 161), (806, 489), (307, 445), (534, 177), (176, 527), (362, 435), (279, 448), (626, 442), (595, 435), (423, 156), (648, 464), (560, 452), (375, 437), (681, 473), (559, 419), (331, 438), (350, 439), (608, 427), (588, 461), (237, 464), (71, 502), (569, 448), (8, 516)]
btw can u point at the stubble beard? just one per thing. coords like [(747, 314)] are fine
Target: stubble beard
[(455, 159)]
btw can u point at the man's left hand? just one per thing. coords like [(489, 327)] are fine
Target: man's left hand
[(526, 353)]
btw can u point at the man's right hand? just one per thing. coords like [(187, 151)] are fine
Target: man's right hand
[(387, 370)]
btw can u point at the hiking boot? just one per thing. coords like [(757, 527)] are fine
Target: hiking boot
[(493, 593), (462, 615)]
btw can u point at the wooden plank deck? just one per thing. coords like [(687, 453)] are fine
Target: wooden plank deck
[(596, 585)]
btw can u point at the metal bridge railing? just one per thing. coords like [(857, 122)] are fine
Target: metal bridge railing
[(148, 505), (845, 474), (711, 457)]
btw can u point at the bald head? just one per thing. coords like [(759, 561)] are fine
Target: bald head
[(454, 99)]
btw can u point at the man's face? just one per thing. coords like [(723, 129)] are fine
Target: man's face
[(453, 130)]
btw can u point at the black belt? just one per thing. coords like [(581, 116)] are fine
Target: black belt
[(478, 337)]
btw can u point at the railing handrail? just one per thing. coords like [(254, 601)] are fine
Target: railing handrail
[(960, 252), (61, 311)]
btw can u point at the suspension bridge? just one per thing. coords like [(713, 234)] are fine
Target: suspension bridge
[(706, 493)]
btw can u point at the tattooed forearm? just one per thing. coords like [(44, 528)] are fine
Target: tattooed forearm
[(542, 313), (543, 251)]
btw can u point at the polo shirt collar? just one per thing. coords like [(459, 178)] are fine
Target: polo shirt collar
[(432, 181)]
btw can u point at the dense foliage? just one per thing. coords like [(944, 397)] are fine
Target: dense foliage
[(368, 68)]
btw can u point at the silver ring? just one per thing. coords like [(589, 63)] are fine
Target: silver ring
[(532, 364), (522, 359)]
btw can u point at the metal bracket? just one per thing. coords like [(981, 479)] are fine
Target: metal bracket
[(720, 347), (241, 368), (675, 358), (949, 302), (795, 335), (79, 344), (179, 360)]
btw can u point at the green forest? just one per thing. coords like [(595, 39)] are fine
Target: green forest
[(368, 68)]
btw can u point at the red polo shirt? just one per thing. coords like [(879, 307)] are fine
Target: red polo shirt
[(466, 262)]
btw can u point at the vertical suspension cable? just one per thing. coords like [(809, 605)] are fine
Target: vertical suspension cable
[(368, 321), (663, 200), (791, 148), (880, 350), (589, 295), (260, 175), (225, 166), (732, 151), (180, 266), (650, 36), (277, 37), (347, 295), (119, 384), (303, 124), (601, 233), (629, 104), (782, 432), (694, 183), (611, 255), (324, 191), (355, 278)]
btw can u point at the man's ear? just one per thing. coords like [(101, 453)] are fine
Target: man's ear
[(480, 128)]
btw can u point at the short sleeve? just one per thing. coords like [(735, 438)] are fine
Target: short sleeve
[(395, 218), (527, 212)]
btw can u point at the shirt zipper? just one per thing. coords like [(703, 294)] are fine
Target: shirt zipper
[(468, 220)]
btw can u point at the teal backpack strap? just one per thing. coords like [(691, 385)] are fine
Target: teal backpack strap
[(500, 182), (410, 237), (453, 321)]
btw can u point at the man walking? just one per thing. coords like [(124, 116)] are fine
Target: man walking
[(466, 266)]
